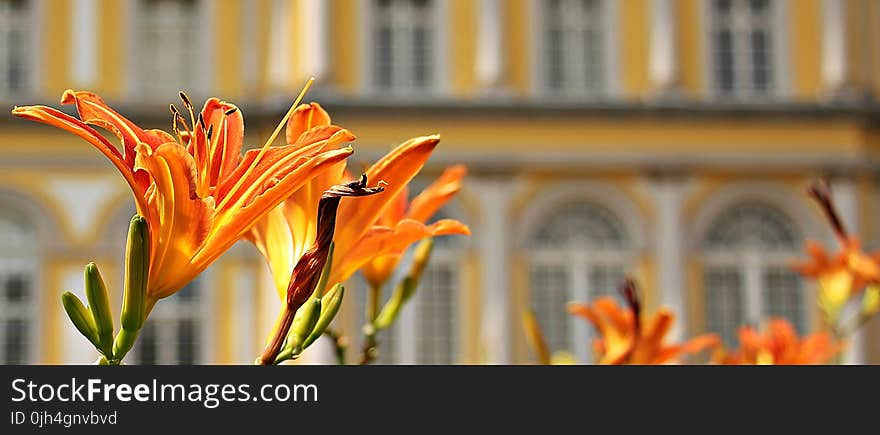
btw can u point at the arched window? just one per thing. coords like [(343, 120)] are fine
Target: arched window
[(18, 293), (743, 47), (405, 43), (747, 277), (580, 251), (576, 58)]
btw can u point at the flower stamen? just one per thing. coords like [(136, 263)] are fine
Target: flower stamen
[(268, 143)]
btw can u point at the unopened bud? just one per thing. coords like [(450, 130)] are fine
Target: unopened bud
[(330, 304), (80, 317), (99, 305)]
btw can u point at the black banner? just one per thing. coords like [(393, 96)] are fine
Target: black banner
[(414, 399)]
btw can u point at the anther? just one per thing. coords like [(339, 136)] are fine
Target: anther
[(185, 99)]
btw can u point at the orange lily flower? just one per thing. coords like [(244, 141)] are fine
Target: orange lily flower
[(403, 223), (285, 234), (197, 192), (781, 345), (623, 340), (843, 275)]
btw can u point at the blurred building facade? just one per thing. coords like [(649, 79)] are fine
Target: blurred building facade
[(672, 140)]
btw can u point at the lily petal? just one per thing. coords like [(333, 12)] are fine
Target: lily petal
[(93, 110), (304, 118), (181, 220), (137, 180), (432, 199), (396, 169)]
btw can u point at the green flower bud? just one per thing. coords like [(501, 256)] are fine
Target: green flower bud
[(392, 308), (99, 305), (137, 268), (329, 307), (124, 342), (303, 323), (81, 317)]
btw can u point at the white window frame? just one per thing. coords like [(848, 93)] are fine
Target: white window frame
[(780, 73), (609, 86), (203, 75), (34, 50), (440, 80)]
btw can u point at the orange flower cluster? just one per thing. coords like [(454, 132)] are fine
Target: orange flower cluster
[(200, 195), (779, 345), (624, 338), (843, 276)]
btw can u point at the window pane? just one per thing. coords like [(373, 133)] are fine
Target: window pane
[(168, 49), (605, 281), (403, 33), (555, 59), (421, 56), (724, 53), (724, 302), (147, 344), (15, 343), (438, 315), (760, 60), (14, 46), (549, 296), (16, 288), (783, 297), (383, 57), (573, 38), (187, 342)]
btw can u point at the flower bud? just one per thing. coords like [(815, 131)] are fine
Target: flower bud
[(80, 317), (99, 305), (329, 307), (137, 268), (123, 343), (303, 323)]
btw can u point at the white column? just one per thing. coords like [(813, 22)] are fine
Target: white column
[(663, 64), (669, 249), (279, 45), (494, 244), (248, 36), (83, 46), (489, 45), (845, 195), (834, 65), (313, 37)]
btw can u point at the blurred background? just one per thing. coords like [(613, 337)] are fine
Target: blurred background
[(672, 140)]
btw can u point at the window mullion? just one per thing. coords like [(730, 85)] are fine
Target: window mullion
[(753, 286)]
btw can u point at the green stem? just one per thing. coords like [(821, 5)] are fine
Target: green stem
[(339, 345), (370, 349)]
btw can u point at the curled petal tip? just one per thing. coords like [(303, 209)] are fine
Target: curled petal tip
[(69, 96)]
